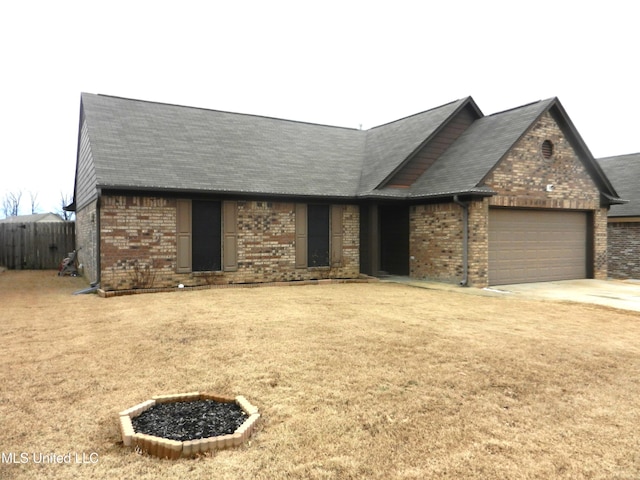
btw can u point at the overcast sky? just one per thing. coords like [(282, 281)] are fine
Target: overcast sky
[(346, 63)]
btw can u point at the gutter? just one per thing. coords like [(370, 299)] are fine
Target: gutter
[(465, 241)]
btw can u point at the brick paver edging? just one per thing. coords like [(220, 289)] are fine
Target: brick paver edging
[(173, 449)]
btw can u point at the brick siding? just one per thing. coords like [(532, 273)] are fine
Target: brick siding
[(479, 243), (138, 245), (435, 242), (624, 249)]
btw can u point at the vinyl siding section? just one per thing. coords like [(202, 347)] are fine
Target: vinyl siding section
[(86, 190)]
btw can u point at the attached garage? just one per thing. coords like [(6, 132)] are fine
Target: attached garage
[(536, 245)]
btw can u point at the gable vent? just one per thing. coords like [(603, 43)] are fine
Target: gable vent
[(547, 149)]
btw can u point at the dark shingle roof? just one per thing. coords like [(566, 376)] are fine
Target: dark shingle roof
[(139, 145), (147, 145), (624, 173)]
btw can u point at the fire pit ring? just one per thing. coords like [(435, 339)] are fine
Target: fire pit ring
[(173, 449)]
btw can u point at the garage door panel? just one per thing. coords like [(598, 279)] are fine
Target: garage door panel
[(536, 246)]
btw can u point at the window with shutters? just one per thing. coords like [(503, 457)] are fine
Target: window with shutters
[(206, 244), (318, 235), (206, 236)]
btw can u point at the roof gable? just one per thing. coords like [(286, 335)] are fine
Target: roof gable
[(607, 191), (468, 161), (389, 146), (446, 134)]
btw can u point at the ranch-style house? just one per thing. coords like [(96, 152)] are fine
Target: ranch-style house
[(168, 195)]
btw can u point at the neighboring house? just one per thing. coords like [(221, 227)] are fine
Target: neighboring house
[(167, 195), (624, 220), (33, 218)]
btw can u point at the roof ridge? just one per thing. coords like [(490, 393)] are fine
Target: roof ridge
[(610, 157), (522, 106), (227, 112), (419, 113)]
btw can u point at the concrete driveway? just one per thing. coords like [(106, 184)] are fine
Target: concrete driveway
[(624, 294)]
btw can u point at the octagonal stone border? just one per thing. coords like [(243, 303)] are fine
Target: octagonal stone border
[(173, 449)]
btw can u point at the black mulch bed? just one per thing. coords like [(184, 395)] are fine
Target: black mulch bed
[(184, 421)]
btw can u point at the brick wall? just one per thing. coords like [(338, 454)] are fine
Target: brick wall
[(138, 245), (600, 267), (624, 249), (266, 245), (479, 243), (87, 241), (435, 242), (137, 242)]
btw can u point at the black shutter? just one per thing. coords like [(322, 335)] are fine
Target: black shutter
[(206, 236)]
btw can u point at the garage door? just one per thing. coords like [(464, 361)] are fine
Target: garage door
[(536, 246)]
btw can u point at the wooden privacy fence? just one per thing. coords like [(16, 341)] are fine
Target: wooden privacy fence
[(35, 246)]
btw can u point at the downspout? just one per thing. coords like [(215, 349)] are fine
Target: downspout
[(98, 239), (465, 241)]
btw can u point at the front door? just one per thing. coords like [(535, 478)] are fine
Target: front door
[(394, 239)]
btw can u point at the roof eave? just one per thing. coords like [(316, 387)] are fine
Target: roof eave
[(476, 192), (132, 189), (380, 194), (608, 200)]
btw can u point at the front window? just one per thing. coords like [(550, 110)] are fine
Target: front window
[(206, 236), (318, 235)]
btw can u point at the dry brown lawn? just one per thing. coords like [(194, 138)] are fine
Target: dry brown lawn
[(380, 381)]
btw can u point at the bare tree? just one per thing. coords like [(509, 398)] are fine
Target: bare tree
[(34, 202), (65, 200), (11, 204)]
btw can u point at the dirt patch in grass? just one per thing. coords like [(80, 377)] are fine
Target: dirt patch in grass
[(352, 381)]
